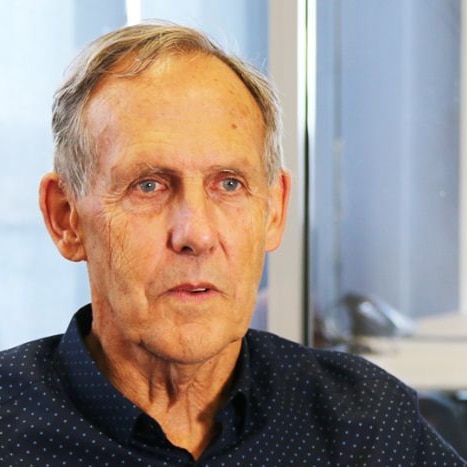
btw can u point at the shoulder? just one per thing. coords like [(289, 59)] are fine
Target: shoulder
[(333, 390), (26, 365), (347, 407), (277, 351), (328, 372)]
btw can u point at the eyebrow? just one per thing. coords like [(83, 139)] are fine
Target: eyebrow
[(121, 175), (141, 169), (124, 173)]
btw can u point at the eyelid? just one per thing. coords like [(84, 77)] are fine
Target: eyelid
[(148, 181), (234, 176), (234, 179), (157, 179)]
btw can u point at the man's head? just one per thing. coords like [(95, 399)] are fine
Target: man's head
[(170, 186), (128, 52)]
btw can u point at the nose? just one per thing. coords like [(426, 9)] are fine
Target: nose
[(191, 230)]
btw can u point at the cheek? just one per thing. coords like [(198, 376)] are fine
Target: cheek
[(131, 248), (138, 255), (96, 239), (247, 239), (110, 249)]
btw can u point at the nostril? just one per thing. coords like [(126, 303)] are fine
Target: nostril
[(190, 234)]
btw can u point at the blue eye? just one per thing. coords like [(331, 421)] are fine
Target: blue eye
[(148, 186), (230, 184)]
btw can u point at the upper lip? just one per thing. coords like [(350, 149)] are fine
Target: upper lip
[(193, 287)]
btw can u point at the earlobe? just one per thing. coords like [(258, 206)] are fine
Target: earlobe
[(279, 201), (61, 218)]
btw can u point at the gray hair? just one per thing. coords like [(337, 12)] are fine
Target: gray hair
[(75, 153)]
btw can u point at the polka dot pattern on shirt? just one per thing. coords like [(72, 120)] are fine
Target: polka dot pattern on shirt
[(290, 405)]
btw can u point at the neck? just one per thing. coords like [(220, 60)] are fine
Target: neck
[(183, 397)]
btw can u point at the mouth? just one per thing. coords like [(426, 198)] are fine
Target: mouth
[(193, 290), (198, 290)]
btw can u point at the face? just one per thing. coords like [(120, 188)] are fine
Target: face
[(179, 215)]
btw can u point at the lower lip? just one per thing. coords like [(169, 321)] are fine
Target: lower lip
[(185, 295)]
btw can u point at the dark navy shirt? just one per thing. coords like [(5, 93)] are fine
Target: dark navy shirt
[(290, 405)]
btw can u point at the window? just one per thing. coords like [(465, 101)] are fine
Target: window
[(385, 195)]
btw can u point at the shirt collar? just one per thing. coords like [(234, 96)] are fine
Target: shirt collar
[(104, 406)]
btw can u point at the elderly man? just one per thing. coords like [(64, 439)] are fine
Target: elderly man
[(169, 184)]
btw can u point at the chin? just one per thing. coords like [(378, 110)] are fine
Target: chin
[(191, 348)]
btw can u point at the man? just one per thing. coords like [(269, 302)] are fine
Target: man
[(169, 183)]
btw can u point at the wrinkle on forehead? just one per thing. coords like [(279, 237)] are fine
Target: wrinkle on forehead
[(193, 74)]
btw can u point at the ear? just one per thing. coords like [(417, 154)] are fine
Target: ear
[(278, 204), (61, 218)]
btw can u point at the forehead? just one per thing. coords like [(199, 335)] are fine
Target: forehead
[(181, 105), (184, 80)]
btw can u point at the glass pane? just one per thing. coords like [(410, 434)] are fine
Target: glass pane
[(386, 195)]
